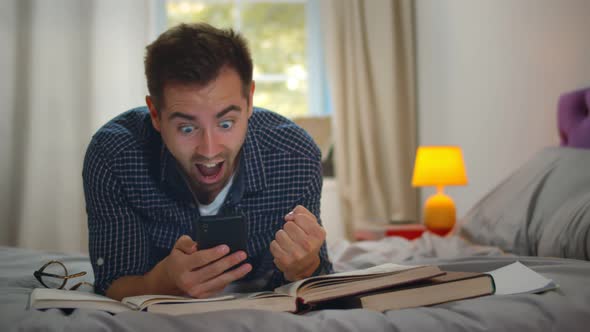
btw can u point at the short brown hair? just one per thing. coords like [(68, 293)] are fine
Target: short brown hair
[(195, 53)]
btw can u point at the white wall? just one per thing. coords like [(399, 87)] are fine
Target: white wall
[(489, 76)]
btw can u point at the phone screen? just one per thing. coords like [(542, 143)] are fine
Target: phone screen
[(211, 231)]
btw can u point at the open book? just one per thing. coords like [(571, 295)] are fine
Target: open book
[(293, 297)]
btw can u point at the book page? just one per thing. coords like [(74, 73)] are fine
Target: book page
[(43, 294), (516, 278), (142, 301), (260, 295), (268, 301), (45, 298), (291, 289)]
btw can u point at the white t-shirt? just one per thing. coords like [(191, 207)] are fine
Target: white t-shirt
[(212, 208)]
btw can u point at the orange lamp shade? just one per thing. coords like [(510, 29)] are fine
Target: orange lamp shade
[(439, 166)]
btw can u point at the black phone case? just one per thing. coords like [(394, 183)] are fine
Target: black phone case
[(212, 231)]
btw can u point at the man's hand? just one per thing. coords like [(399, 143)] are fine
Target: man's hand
[(296, 247), (198, 273)]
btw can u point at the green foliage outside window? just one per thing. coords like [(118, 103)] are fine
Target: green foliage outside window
[(277, 39)]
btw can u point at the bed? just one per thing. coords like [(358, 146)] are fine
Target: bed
[(540, 216)]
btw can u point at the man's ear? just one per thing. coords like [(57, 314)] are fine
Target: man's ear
[(154, 115), (251, 98)]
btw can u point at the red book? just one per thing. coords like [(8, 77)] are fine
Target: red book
[(408, 231)]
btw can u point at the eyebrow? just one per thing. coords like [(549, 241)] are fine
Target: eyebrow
[(219, 115), (227, 110), (181, 115)]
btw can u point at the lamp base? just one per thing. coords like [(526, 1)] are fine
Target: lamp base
[(440, 231), (439, 213)]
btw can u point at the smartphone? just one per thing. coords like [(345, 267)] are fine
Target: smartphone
[(211, 231)]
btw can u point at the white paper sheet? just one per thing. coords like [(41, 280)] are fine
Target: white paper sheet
[(516, 278)]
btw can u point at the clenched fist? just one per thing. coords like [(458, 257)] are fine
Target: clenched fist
[(296, 247)]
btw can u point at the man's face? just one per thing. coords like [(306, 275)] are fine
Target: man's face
[(204, 127)]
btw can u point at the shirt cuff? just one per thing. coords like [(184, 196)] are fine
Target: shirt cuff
[(322, 269)]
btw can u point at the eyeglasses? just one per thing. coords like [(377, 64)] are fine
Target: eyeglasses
[(53, 273)]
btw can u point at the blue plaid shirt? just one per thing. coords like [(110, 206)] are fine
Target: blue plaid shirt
[(138, 204)]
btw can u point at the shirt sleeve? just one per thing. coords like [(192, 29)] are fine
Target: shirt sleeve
[(118, 244)]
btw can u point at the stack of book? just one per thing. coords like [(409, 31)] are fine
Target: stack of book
[(381, 288)]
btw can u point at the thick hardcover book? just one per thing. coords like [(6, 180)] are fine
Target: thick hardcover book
[(451, 286), (295, 297)]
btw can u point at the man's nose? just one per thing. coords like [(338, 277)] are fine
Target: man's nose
[(208, 147)]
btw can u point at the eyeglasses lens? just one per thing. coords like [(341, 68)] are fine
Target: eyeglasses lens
[(56, 269)]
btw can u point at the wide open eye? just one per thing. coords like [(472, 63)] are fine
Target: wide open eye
[(226, 124), (186, 129)]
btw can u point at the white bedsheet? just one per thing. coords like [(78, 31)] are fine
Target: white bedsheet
[(565, 309), (348, 256)]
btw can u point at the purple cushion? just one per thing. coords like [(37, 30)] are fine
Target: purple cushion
[(573, 119)]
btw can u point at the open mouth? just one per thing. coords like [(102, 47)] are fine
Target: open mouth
[(210, 172)]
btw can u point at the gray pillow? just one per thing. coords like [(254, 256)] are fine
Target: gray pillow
[(542, 209)]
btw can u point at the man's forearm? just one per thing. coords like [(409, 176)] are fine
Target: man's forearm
[(153, 282)]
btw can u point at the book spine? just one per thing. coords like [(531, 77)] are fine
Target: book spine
[(303, 307)]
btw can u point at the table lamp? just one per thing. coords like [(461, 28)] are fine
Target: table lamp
[(439, 166)]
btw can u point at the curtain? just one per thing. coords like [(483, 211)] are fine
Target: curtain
[(370, 62), (70, 66)]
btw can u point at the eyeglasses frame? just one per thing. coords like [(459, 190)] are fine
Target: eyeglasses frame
[(39, 274)]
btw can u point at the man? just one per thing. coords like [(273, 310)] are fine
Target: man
[(201, 148)]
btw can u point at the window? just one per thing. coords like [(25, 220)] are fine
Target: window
[(284, 39)]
